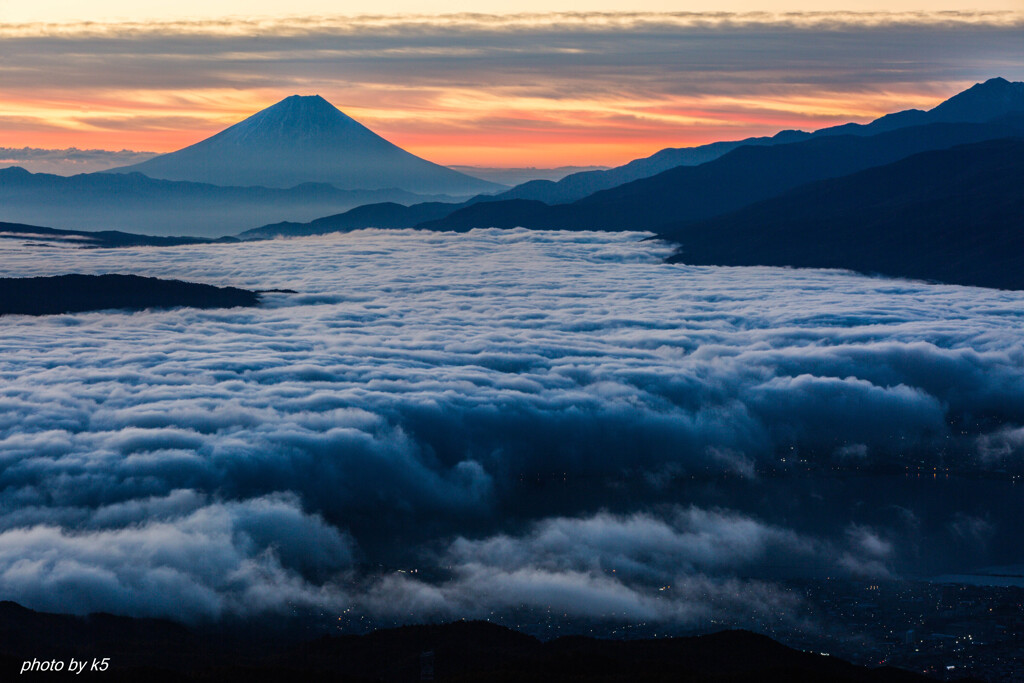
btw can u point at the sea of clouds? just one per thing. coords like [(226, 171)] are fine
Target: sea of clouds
[(440, 426)]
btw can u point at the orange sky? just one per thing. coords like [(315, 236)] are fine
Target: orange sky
[(593, 132), (533, 90)]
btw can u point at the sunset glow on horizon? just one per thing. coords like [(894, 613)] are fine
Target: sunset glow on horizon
[(495, 90)]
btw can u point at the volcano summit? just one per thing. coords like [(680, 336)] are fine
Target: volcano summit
[(306, 139)]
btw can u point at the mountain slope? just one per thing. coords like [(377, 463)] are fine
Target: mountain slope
[(980, 103), (741, 177), (954, 215), (579, 185), (302, 140)]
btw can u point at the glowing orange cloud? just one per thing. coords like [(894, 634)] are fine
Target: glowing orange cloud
[(467, 130)]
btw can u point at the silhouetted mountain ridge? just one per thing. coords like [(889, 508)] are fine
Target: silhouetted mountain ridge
[(980, 103), (579, 185), (743, 176)]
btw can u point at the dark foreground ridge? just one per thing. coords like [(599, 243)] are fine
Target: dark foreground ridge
[(954, 216), (78, 293), (156, 650)]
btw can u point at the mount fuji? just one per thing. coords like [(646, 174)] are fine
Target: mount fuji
[(305, 139)]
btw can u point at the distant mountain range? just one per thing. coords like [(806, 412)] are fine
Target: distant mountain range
[(153, 650), (980, 103), (693, 183), (744, 175), (136, 203), (306, 140), (685, 193)]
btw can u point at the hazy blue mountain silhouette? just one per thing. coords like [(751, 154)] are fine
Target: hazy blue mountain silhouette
[(306, 140), (954, 216), (136, 203), (741, 177), (980, 103)]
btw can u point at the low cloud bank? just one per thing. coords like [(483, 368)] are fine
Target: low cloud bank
[(68, 161)]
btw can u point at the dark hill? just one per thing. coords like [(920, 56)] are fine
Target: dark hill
[(27, 634), (954, 216), (76, 293), (382, 215), (153, 651)]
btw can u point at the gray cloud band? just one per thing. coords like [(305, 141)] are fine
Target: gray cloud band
[(576, 56)]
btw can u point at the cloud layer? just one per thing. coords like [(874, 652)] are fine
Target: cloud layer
[(540, 419)]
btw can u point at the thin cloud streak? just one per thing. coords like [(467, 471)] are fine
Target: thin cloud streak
[(503, 22)]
